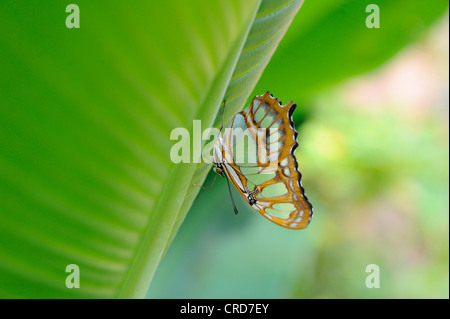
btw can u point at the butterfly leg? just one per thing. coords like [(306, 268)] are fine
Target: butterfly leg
[(208, 159), (208, 188)]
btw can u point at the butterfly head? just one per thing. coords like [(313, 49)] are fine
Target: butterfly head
[(218, 169), (218, 158)]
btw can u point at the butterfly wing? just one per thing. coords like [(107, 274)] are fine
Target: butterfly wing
[(260, 161)]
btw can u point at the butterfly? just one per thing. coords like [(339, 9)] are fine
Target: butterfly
[(256, 153)]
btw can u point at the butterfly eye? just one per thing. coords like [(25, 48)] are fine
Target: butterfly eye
[(218, 170)]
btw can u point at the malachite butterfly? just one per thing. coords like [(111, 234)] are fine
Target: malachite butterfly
[(256, 152)]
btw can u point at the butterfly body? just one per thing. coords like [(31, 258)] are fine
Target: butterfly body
[(256, 153)]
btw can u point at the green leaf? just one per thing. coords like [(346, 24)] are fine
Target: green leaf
[(85, 122)]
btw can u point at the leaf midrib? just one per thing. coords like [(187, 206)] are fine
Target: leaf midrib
[(154, 244)]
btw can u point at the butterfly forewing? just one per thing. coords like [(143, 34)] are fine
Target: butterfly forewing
[(258, 151)]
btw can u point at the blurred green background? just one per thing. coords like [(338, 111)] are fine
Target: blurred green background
[(85, 122), (373, 135)]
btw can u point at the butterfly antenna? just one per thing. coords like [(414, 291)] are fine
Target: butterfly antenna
[(223, 112), (232, 200)]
